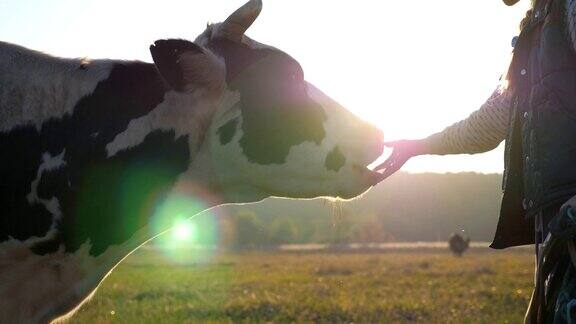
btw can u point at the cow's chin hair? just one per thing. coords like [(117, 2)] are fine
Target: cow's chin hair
[(236, 192), (339, 198)]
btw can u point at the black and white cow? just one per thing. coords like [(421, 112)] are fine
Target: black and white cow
[(91, 152)]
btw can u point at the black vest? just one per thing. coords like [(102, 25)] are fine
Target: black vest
[(540, 155)]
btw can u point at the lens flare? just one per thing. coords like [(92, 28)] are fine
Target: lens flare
[(192, 231), (184, 231)]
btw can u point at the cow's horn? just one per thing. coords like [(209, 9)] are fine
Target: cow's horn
[(237, 23)]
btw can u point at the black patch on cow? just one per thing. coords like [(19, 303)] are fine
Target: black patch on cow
[(90, 186), (21, 152), (277, 112), (335, 160), (166, 55), (227, 131), (116, 197)]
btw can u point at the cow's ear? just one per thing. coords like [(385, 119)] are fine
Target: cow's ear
[(187, 66)]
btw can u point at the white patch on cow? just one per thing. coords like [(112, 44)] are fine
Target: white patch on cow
[(184, 113), (345, 130), (36, 87), (201, 170), (187, 112), (49, 163)]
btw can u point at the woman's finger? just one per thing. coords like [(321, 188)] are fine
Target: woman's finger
[(389, 171), (380, 166), (384, 164), (391, 160)]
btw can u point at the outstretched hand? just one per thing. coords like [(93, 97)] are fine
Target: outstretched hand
[(402, 151)]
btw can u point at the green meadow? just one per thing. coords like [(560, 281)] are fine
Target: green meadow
[(426, 285)]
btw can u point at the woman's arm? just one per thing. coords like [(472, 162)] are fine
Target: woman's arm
[(482, 131)]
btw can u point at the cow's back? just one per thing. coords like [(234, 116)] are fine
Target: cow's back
[(35, 87)]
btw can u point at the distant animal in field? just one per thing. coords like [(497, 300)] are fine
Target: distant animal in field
[(100, 156), (458, 245)]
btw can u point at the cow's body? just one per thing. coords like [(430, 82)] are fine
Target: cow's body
[(93, 152)]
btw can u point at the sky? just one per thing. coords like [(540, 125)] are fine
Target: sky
[(409, 67)]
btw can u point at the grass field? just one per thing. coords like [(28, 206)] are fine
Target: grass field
[(415, 286)]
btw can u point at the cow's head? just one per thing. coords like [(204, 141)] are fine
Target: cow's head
[(271, 132)]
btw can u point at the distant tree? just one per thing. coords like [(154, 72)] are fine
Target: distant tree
[(340, 232), (406, 207), (226, 232), (369, 230), (458, 245), (249, 230), (283, 231)]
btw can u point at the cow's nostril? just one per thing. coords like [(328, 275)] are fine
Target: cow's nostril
[(335, 160)]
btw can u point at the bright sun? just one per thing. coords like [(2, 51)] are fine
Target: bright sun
[(184, 231)]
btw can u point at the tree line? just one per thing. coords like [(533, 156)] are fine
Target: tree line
[(405, 208)]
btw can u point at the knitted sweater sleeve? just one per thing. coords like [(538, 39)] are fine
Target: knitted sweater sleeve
[(482, 131)]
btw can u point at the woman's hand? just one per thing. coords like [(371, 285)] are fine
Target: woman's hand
[(402, 151)]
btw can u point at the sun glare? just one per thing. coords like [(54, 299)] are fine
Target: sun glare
[(184, 231)]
